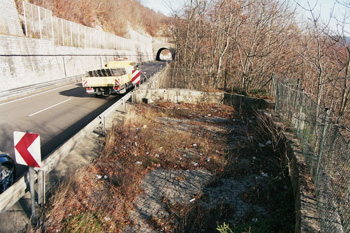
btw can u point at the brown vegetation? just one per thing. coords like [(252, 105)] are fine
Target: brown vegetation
[(99, 197), (248, 44), (106, 188), (112, 16)]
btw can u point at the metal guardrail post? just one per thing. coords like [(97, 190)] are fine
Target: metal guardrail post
[(32, 192), (102, 125), (300, 112), (41, 187), (325, 125), (124, 104)]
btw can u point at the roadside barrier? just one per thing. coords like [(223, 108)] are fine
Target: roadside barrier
[(18, 189), (15, 192)]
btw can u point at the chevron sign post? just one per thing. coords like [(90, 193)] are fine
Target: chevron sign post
[(136, 77), (27, 149), (27, 152)]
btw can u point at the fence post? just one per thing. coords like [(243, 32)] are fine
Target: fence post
[(39, 19), (59, 37), (33, 26), (25, 19), (62, 32), (293, 111), (325, 125), (296, 96), (273, 87), (71, 33), (288, 109), (85, 36), (300, 111), (52, 28)]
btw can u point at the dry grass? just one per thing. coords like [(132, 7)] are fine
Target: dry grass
[(98, 197)]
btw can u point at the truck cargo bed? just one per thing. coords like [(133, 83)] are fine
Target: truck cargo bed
[(106, 72), (109, 81)]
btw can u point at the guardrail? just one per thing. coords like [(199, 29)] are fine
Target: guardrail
[(14, 193)]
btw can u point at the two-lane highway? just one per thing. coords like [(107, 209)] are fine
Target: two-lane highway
[(56, 114)]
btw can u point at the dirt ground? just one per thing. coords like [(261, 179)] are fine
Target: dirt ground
[(178, 168)]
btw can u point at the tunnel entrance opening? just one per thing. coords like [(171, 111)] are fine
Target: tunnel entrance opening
[(165, 54)]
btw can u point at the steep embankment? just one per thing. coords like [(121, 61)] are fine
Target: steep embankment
[(113, 16)]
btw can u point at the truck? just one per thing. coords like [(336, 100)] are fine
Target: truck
[(117, 77)]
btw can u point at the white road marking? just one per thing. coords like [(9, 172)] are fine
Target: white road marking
[(49, 107)]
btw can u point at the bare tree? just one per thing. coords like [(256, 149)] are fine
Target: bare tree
[(260, 40), (342, 55), (328, 53), (230, 38)]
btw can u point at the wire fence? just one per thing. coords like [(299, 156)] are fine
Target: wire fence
[(41, 24), (326, 152)]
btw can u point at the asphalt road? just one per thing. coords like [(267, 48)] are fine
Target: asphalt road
[(55, 114)]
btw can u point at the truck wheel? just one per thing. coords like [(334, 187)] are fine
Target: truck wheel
[(6, 177), (105, 94)]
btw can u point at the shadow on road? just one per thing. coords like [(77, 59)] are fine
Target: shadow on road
[(59, 139), (78, 91)]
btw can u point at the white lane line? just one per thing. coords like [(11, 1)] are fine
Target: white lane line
[(30, 96), (49, 107)]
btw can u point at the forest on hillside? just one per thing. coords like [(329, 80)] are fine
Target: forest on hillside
[(248, 45), (113, 16)]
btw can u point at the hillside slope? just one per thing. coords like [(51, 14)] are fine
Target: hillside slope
[(114, 16)]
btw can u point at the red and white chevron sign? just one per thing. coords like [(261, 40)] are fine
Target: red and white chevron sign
[(84, 83), (136, 77), (27, 149)]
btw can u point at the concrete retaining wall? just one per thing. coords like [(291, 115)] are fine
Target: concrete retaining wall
[(192, 96), (154, 91), (306, 211), (307, 218), (245, 102), (25, 61), (177, 96)]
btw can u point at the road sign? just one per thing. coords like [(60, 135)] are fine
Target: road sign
[(136, 77), (27, 149)]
